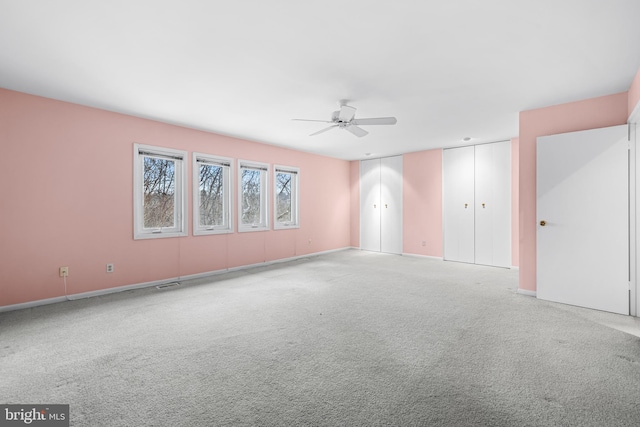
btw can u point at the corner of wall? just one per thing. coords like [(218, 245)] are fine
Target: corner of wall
[(633, 97), (515, 202), (354, 179)]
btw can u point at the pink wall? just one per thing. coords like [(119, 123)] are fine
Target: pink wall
[(515, 202), (593, 113), (54, 215), (422, 203), (634, 94), (67, 200)]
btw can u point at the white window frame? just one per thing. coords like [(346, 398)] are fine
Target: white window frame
[(264, 196), (295, 198), (227, 163), (140, 151)]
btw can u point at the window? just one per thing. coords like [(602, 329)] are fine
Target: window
[(211, 195), (286, 204), (252, 198), (159, 192)]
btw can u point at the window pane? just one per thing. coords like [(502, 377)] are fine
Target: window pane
[(283, 197), (159, 192), (211, 195), (251, 187)]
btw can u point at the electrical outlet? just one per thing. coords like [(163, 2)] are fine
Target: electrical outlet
[(309, 241), (64, 271), (424, 243), (109, 268)]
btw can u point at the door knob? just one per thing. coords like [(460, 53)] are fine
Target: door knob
[(374, 206), (385, 205), (543, 223), (483, 205), (465, 205)]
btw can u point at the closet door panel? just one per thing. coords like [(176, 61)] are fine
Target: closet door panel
[(501, 212), (484, 204), (458, 195), (493, 204), (370, 205), (391, 204)]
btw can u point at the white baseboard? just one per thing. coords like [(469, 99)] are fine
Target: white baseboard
[(117, 289), (31, 304), (263, 264), (437, 258), (99, 292), (526, 292)]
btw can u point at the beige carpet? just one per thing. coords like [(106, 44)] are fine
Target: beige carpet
[(345, 339)]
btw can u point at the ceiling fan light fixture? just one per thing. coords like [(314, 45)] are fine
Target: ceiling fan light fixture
[(345, 119)]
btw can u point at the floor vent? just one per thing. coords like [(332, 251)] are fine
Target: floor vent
[(168, 285)]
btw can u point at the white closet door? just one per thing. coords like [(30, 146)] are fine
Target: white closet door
[(391, 204), (582, 197), (458, 195), (493, 204), (370, 205)]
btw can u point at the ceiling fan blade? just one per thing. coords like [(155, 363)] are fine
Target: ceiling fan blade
[(359, 132), (311, 120), (324, 130), (346, 113), (376, 121)]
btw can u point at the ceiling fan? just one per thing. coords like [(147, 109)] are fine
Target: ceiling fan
[(345, 119)]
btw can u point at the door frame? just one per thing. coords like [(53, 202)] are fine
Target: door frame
[(634, 211)]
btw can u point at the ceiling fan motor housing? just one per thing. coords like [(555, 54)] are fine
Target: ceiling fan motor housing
[(345, 119)]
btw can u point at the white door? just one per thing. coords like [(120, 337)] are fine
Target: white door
[(634, 130), (458, 201), (493, 204), (583, 219), (391, 205), (370, 205)]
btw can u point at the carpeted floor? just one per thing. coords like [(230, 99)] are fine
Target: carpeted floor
[(345, 339)]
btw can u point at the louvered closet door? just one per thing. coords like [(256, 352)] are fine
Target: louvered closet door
[(391, 205), (458, 195), (370, 205), (493, 204)]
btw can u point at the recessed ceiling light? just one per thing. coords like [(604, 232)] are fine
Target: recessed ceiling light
[(466, 139), (367, 154)]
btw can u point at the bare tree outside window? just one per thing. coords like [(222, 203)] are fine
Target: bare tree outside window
[(211, 195), (286, 202), (159, 192), (283, 197), (251, 196)]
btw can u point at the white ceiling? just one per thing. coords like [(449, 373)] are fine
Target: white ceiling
[(446, 69)]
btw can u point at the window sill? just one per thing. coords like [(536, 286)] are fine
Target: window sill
[(211, 232), (285, 227), (245, 229), (143, 236)]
